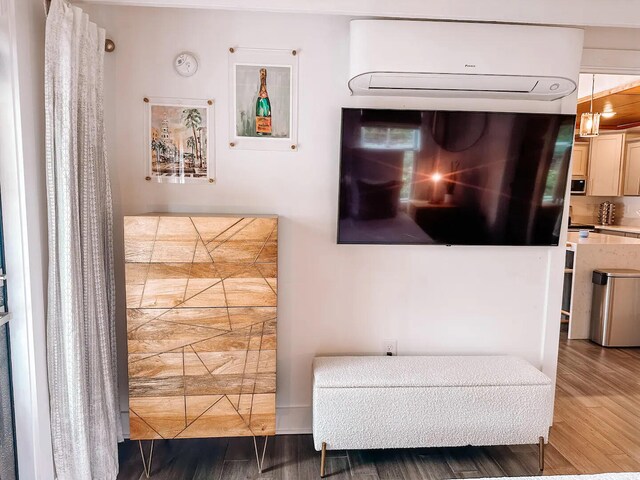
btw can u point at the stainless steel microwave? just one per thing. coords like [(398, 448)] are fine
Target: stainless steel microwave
[(578, 186)]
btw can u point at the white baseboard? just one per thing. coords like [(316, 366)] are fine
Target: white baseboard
[(289, 420), (124, 419)]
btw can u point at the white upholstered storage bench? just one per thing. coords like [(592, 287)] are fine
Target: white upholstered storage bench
[(434, 401)]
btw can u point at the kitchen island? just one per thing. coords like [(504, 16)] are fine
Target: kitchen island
[(584, 255)]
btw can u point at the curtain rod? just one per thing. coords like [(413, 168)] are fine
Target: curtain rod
[(109, 45)]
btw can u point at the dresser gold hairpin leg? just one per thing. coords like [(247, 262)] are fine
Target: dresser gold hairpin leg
[(146, 465), (260, 461)]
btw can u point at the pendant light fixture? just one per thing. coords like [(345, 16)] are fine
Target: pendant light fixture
[(590, 122)]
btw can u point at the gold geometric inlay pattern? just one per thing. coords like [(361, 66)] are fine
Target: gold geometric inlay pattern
[(201, 325)]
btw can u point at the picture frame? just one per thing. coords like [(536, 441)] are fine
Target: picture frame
[(179, 140), (256, 124)]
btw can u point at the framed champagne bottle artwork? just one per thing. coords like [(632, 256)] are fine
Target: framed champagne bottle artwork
[(264, 92)]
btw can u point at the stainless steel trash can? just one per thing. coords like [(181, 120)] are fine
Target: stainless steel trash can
[(615, 308)]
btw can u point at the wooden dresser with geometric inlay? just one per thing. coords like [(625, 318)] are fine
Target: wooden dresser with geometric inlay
[(201, 325)]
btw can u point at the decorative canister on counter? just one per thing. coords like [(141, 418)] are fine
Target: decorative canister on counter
[(606, 213)]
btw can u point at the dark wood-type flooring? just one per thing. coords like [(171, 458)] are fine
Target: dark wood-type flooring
[(596, 430)]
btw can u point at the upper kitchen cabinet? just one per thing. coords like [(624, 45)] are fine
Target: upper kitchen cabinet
[(580, 163), (605, 165), (632, 168)]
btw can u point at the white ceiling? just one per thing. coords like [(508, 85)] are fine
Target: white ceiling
[(612, 13)]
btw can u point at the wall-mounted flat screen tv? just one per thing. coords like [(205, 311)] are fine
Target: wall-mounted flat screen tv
[(452, 177)]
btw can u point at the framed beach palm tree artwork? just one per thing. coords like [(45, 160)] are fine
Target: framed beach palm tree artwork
[(179, 140), (264, 99)]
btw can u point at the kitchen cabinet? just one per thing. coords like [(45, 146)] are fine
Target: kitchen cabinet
[(605, 165), (632, 169), (580, 159)]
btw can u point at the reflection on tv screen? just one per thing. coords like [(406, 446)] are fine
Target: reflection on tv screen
[(453, 178)]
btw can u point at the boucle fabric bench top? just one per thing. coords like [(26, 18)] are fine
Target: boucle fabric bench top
[(425, 371)]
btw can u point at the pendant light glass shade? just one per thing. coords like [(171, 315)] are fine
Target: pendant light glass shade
[(590, 122)]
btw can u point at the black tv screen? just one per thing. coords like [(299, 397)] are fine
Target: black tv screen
[(453, 178)]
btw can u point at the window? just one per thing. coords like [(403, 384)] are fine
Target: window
[(388, 138), (407, 174), (553, 194)]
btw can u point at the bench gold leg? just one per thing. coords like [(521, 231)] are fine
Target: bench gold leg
[(323, 457), (541, 453)]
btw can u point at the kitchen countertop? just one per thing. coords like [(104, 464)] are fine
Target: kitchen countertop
[(619, 228), (573, 238)]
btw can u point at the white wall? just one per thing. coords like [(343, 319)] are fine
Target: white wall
[(333, 298), (602, 83), (612, 38), (611, 50), (22, 179)]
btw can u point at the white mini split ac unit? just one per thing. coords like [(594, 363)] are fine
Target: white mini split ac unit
[(448, 59)]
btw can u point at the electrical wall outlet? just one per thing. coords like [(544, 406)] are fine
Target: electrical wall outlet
[(390, 347)]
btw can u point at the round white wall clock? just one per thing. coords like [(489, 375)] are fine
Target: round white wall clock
[(186, 64)]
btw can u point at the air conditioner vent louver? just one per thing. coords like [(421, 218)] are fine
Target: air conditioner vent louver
[(452, 82)]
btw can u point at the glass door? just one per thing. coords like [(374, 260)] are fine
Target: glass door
[(8, 466)]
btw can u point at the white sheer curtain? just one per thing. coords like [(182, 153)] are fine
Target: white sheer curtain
[(81, 355)]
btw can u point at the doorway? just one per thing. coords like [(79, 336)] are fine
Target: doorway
[(605, 190), (8, 460), (596, 408)]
